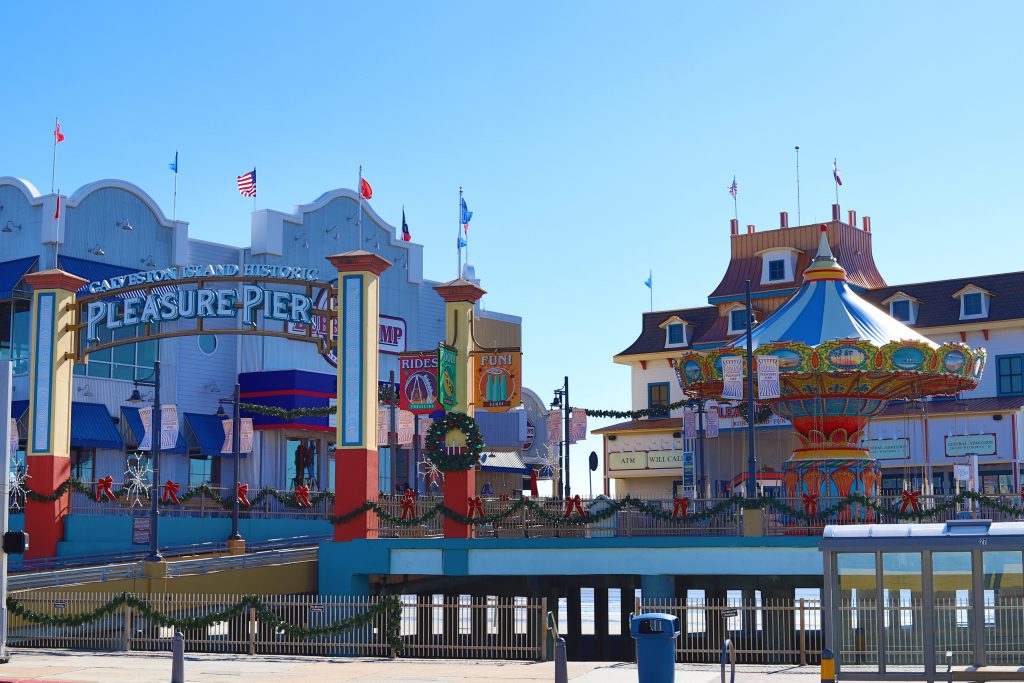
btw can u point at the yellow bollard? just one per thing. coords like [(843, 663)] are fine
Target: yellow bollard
[(828, 666)]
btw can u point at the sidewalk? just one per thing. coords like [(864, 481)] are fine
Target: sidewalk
[(67, 666)]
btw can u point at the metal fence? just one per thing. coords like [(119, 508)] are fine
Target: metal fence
[(198, 506), (762, 631), (469, 628)]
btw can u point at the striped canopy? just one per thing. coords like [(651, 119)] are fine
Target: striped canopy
[(826, 309)]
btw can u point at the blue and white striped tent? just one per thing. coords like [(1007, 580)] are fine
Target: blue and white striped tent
[(826, 309)]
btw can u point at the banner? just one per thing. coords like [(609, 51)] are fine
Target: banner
[(13, 442), (732, 377), (768, 377), (712, 431), (425, 423), (244, 437), (382, 426), (690, 424), (578, 425), (406, 427), (555, 426), (168, 428), (446, 376), (419, 386), (497, 380)]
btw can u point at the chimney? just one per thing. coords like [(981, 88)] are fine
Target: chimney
[(751, 229), (853, 218), (835, 212), (867, 223), (734, 226), (783, 219)]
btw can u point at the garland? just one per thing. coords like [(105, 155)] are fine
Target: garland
[(637, 414), (388, 605), (463, 458), (762, 411)]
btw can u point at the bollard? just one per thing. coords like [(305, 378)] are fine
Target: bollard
[(561, 668), (828, 666), (178, 658)]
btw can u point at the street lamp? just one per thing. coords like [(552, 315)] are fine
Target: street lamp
[(235, 455), (562, 400), (155, 431), (697, 404)]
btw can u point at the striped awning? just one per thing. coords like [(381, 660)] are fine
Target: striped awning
[(502, 461)]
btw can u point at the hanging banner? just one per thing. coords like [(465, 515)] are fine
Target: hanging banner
[(497, 380), (419, 386), (732, 377), (578, 425), (446, 357), (406, 427), (425, 423), (12, 445), (690, 424), (712, 431), (555, 426), (244, 437), (768, 377), (382, 426), (168, 427)]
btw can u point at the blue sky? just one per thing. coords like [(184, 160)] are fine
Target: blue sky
[(595, 140)]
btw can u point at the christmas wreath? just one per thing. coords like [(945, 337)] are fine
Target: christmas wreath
[(762, 411), (462, 459)]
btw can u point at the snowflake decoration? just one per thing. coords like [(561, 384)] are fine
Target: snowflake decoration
[(430, 473), (137, 483), (550, 462), (17, 487)]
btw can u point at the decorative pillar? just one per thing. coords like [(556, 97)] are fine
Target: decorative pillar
[(48, 454), (355, 459), (459, 298)]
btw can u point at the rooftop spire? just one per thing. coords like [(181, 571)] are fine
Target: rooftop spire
[(825, 266)]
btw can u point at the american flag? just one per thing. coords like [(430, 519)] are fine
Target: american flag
[(247, 184), (835, 173), (733, 188)]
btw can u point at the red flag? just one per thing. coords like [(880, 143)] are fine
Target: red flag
[(57, 135), (365, 191), (56, 214)]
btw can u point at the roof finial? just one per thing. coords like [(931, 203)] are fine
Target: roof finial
[(825, 266), (824, 250)]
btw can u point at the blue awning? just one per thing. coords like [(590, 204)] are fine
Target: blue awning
[(207, 432), (11, 273), (502, 461), (92, 427), (18, 409), (91, 271), (135, 429)]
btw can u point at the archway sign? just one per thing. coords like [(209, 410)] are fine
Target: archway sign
[(264, 300)]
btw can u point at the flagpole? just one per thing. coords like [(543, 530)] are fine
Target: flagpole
[(174, 201), (650, 276), (458, 236), (835, 177), (254, 190), (359, 200), (53, 166), (799, 221)]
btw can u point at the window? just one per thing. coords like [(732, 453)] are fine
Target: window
[(82, 463), (127, 362), (15, 330), (971, 304), (676, 333), (302, 463), (900, 310), (200, 470), (1010, 375), (737, 320), (776, 270), (657, 399), (207, 343)]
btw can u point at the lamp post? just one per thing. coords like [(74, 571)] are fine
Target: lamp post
[(155, 432), (236, 456), (562, 400), (702, 476)]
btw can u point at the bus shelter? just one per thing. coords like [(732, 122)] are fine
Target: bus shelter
[(902, 601)]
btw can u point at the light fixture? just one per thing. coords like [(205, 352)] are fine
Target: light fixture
[(10, 224), (150, 263), (301, 237), (124, 225), (220, 413), (136, 397), (98, 251), (334, 229), (84, 390), (211, 387)]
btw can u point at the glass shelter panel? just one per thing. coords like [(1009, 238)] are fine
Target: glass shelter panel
[(954, 618), (1004, 606), (856, 627), (903, 600)]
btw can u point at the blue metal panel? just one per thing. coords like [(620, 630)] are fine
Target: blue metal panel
[(92, 271), (92, 427), (11, 273), (207, 433)]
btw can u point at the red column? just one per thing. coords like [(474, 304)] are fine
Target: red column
[(459, 487)]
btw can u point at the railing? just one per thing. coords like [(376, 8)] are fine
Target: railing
[(762, 632), (203, 565), (469, 628), (67, 577)]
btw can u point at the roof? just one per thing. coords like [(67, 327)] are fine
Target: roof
[(92, 427), (92, 271), (939, 307), (657, 423), (954, 534), (993, 404), (652, 336), (502, 461)]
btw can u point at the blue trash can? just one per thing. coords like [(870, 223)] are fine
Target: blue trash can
[(655, 635)]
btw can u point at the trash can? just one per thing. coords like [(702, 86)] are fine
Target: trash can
[(655, 635)]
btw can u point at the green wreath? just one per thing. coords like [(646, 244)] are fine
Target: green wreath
[(454, 462)]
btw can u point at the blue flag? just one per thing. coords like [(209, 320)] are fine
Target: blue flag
[(650, 281), (174, 164), (462, 242), (465, 215)]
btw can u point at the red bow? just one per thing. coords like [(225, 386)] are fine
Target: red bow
[(243, 494), (811, 504), (910, 500), (302, 496), (408, 505), (503, 498), (574, 504), (680, 507), (103, 487), (477, 505), (171, 491)]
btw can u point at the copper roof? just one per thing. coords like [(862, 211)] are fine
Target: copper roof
[(674, 423)]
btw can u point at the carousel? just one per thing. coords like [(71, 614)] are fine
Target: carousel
[(841, 361)]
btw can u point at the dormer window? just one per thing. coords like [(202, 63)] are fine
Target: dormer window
[(675, 331), (737, 320), (974, 302), (776, 270), (777, 265), (903, 307)]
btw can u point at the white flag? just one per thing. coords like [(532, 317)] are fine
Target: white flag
[(690, 424), (768, 377), (406, 427), (712, 431), (732, 377)]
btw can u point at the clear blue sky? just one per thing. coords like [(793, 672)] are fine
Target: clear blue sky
[(595, 140)]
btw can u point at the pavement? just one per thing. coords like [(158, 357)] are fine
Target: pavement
[(69, 666)]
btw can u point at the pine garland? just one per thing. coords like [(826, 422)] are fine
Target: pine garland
[(434, 444), (388, 605)]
